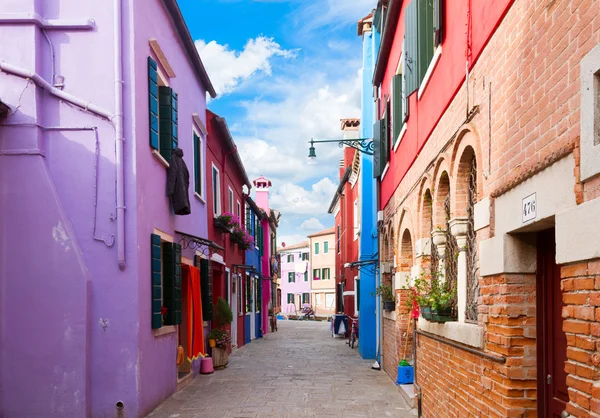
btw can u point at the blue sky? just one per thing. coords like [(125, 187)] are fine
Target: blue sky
[(285, 71)]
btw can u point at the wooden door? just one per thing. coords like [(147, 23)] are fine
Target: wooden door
[(551, 341)]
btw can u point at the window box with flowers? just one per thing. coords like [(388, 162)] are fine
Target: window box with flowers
[(241, 237), (226, 222), (434, 298)]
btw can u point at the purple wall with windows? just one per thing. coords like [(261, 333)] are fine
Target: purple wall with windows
[(76, 335)]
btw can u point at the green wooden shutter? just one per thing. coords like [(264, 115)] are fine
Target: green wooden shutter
[(155, 257), (172, 282), (376, 152), (404, 85), (438, 30), (316, 248), (248, 220), (305, 297), (205, 287), (325, 247), (197, 160), (168, 121), (153, 102), (385, 137), (397, 119), (411, 47), (425, 37), (306, 276)]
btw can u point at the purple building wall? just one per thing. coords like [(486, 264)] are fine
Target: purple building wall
[(75, 332)]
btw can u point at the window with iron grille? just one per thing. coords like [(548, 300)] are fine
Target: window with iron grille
[(472, 270), (451, 259)]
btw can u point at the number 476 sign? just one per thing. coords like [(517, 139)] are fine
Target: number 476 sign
[(529, 209)]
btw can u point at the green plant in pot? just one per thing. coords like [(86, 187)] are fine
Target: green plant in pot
[(434, 296), (387, 296)]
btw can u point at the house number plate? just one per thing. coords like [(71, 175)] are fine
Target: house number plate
[(529, 209)]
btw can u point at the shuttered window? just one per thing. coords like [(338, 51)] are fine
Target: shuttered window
[(291, 278), (172, 292), (316, 274), (316, 248), (385, 137), (404, 91), (153, 102), (156, 270), (377, 164), (438, 33), (426, 44), (205, 287), (397, 113), (168, 118), (306, 276), (326, 274), (305, 297), (325, 247), (411, 47), (197, 165), (290, 298)]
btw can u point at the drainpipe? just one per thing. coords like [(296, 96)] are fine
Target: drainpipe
[(118, 62), (37, 79), (97, 110)]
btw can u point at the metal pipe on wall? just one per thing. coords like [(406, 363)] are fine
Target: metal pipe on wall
[(119, 139)]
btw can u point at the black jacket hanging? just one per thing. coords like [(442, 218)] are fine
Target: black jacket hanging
[(178, 183)]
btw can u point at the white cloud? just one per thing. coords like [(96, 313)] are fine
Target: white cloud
[(227, 68), (320, 13), (312, 224), (273, 136), (294, 199)]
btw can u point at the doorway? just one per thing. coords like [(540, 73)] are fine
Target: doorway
[(252, 307), (551, 340), (232, 280)]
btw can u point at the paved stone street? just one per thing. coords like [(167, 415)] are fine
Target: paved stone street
[(299, 371)]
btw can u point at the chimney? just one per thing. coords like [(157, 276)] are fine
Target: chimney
[(262, 185), (350, 128)]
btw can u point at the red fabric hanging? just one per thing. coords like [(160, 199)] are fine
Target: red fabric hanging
[(195, 323)]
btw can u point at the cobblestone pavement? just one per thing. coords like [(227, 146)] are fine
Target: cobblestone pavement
[(300, 371)]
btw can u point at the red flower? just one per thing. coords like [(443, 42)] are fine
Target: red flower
[(163, 310)]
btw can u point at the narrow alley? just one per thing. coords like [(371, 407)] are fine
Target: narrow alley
[(299, 371)]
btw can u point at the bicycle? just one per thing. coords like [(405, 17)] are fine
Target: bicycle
[(273, 321), (353, 336)]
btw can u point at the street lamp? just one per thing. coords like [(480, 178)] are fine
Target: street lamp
[(364, 145)]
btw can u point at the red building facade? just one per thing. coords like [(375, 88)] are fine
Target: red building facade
[(226, 177), (484, 111), (345, 207)]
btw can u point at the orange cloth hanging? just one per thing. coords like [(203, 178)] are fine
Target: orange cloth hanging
[(195, 323)]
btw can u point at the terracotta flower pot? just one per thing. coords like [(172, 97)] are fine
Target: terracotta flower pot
[(212, 343)]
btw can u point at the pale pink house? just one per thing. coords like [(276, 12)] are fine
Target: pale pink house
[(295, 277)]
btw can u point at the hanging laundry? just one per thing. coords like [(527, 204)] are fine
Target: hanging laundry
[(178, 183)]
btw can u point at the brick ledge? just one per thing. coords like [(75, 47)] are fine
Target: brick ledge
[(468, 334)]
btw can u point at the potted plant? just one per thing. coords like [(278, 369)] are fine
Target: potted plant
[(226, 222), (222, 317), (406, 373), (434, 297), (387, 296)]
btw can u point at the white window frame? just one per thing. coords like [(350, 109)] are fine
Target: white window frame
[(162, 81), (230, 198), (196, 131), (216, 196), (239, 211), (436, 57)]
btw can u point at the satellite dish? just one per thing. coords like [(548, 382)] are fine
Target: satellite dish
[(283, 244)]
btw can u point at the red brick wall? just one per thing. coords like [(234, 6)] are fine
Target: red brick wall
[(581, 311), (526, 86)]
